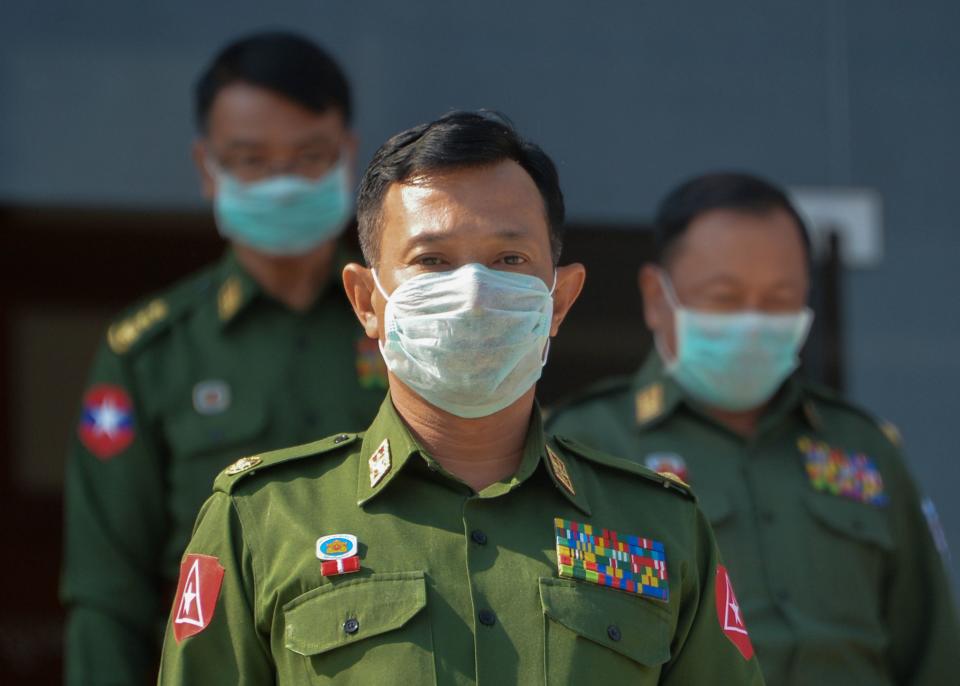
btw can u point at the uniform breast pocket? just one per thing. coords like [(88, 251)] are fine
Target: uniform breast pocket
[(594, 634), (371, 630), (849, 547)]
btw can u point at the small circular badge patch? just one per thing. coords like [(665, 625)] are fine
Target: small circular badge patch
[(336, 546)]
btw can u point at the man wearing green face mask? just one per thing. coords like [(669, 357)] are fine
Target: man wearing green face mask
[(258, 351), (839, 579)]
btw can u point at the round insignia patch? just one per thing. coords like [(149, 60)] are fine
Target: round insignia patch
[(211, 397), (243, 464), (106, 426), (336, 546)]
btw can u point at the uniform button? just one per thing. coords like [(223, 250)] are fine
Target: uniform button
[(478, 537), (613, 631), (302, 342), (767, 517), (351, 626), (341, 438), (487, 618)]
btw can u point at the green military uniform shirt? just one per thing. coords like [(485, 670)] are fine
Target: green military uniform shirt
[(453, 586), (212, 369), (817, 517)]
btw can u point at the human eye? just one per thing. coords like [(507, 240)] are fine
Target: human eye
[(428, 261), (512, 260)]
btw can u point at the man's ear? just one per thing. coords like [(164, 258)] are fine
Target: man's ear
[(208, 186), (570, 278), (358, 283)]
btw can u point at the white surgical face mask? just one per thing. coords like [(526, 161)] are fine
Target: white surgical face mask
[(733, 361), (470, 341)]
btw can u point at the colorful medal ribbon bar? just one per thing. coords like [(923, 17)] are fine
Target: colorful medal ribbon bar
[(629, 563)]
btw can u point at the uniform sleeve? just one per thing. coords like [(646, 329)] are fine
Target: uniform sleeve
[(920, 611), (114, 528), (711, 644), (213, 636)]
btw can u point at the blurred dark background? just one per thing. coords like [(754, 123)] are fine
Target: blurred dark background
[(837, 99)]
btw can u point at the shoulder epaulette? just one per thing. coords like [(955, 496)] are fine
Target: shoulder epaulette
[(603, 387), (247, 466), (156, 314), (669, 482), (888, 429)]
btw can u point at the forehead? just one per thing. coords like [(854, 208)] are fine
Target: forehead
[(461, 202), (250, 112), (741, 242)]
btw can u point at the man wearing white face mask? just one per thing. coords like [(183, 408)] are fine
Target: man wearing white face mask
[(453, 542), (839, 579), (258, 351)]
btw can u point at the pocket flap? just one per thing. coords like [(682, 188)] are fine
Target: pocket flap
[(716, 505), (317, 621), (632, 626), (847, 517), (192, 433)]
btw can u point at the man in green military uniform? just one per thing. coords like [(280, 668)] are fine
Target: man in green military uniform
[(259, 351), (839, 579), (453, 542)]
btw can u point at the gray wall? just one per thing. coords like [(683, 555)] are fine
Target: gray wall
[(628, 97)]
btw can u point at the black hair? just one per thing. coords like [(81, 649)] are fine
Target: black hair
[(718, 191), (285, 63), (456, 140)]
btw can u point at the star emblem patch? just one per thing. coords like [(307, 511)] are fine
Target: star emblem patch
[(106, 426), (729, 614)]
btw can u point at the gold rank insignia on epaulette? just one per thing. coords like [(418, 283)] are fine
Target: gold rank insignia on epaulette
[(242, 465), (892, 433), (674, 478), (229, 298), (649, 403), (122, 335)]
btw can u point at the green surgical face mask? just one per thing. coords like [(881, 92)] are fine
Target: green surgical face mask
[(733, 361), (284, 215)]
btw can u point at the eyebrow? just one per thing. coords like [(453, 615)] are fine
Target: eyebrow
[(312, 139), (428, 238), (729, 280)]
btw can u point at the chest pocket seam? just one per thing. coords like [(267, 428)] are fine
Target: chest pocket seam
[(590, 611), (314, 621), (849, 518)]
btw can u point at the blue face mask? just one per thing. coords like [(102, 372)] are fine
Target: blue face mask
[(733, 361), (284, 215), (470, 341)]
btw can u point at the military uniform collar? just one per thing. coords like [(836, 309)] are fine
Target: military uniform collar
[(388, 447), (237, 289), (657, 395)]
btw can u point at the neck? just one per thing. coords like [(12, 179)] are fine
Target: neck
[(743, 423), (479, 451), (296, 281)]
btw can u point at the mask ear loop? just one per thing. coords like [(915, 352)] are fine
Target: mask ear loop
[(674, 303), (376, 282), (546, 348)]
